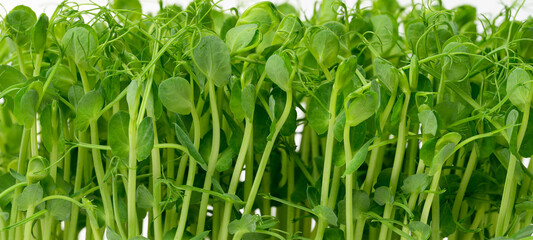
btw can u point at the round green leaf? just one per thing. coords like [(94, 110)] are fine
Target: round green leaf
[(19, 23), (176, 95), (79, 43), (90, 104), (213, 60)]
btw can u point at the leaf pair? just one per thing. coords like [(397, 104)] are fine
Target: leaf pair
[(118, 136)]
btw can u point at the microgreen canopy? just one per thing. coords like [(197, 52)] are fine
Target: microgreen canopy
[(376, 122)]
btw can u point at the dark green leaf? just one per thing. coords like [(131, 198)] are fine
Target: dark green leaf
[(318, 114), (248, 100), (118, 134), (145, 138), (225, 159), (144, 197), (40, 33), (358, 159), (186, 141), (10, 76), (90, 104)]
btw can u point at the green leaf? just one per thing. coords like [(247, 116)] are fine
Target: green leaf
[(118, 134), (345, 73), (40, 33), (10, 76), (386, 73), (112, 235), (131, 94), (200, 236), (358, 159), (383, 196), (176, 95), (17, 175), (239, 38), (90, 104), (225, 159), (313, 196), (385, 33), (28, 105), (324, 46), (19, 22), (416, 183), (414, 32), (145, 138), (131, 9), (324, 212), (213, 60), (248, 100), (79, 43), (525, 232), (429, 122), (360, 107), (333, 234), (278, 71), (60, 209), (518, 87), (50, 129), (420, 230), (138, 238), (427, 152), (75, 93), (361, 202), (455, 67), (439, 158), (524, 206), (290, 31), (247, 223), (236, 103), (31, 195), (318, 114), (144, 198), (184, 139)]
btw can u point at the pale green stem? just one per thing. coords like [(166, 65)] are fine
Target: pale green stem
[(190, 178), (397, 165), (235, 177), (213, 156), (349, 185)]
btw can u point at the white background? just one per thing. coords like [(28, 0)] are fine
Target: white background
[(490, 8)]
